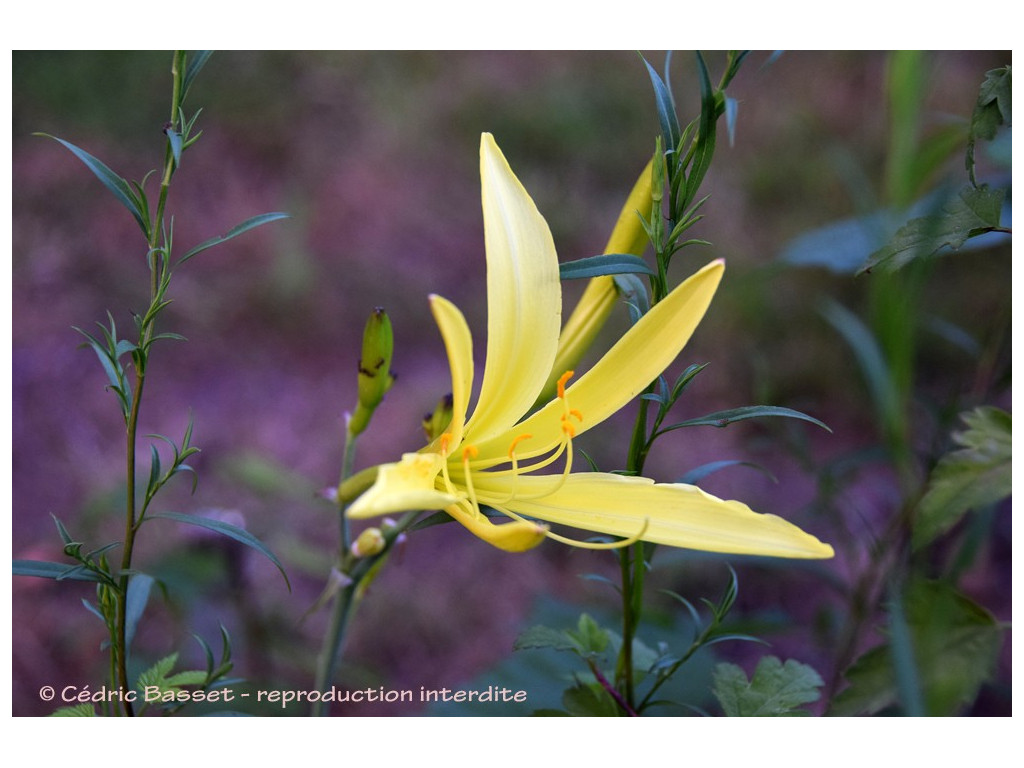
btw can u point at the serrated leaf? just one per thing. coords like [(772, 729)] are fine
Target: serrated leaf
[(156, 675), (775, 690), (545, 637), (725, 418), (974, 211), (955, 646), (226, 529), (591, 700), (77, 710), (245, 226), (590, 638), (189, 677), (605, 264), (992, 110), (972, 476), (117, 185), (47, 570)]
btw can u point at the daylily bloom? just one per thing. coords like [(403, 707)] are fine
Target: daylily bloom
[(497, 458)]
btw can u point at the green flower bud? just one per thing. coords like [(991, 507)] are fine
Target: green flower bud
[(375, 377), (436, 422), (369, 542)]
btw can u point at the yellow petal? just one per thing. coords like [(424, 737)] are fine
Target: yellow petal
[(629, 235), (524, 298), (515, 536), (459, 344), (676, 515), (599, 298), (638, 358), (408, 484)]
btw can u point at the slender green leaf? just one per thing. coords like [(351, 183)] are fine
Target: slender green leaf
[(174, 139), (666, 110), (194, 66), (725, 418), (48, 570), (705, 148), (117, 185), (634, 293), (732, 108), (606, 264), (695, 475), (226, 529), (138, 595), (872, 362), (245, 226), (775, 690), (904, 664)]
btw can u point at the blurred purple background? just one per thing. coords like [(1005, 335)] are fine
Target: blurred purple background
[(375, 158)]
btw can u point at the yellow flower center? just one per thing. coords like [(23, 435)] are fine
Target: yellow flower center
[(470, 501)]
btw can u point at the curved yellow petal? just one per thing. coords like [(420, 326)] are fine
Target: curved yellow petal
[(458, 343), (515, 536), (407, 484), (642, 353), (676, 515), (524, 298), (599, 298)]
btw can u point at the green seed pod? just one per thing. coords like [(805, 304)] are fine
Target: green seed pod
[(436, 422), (375, 376)]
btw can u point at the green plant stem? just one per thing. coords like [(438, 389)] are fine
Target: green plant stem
[(359, 573), (603, 682), (348, 460), (156, 266)]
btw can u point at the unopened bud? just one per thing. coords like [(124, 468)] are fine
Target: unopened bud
[(436, 422), (375, 376), (369, 542)]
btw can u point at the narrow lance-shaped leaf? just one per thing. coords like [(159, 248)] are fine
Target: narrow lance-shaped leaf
[(705, 148), (226, 529), (138, 595), (605, 264), (194, 66), (117, 185), (49, 570), (725, 418), (245, 226), (666, 110)]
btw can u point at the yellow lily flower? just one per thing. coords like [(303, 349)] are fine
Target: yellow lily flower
[(496, 457)]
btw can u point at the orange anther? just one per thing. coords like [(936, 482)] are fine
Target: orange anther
[(470, 452), (561, 382), (446, 443), (569, 429), (517, 441), (577, 414)]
